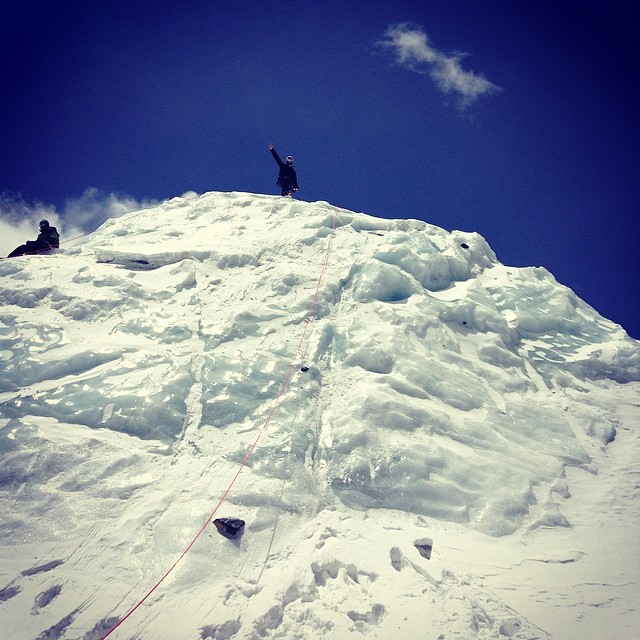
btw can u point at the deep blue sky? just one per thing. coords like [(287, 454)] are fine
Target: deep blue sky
[(151, 99)]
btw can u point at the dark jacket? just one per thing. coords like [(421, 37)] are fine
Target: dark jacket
[(49, 236), (286, 171)]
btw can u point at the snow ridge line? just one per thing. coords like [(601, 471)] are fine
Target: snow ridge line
[(307, 321)]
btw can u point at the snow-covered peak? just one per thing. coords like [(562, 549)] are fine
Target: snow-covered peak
[(416, 381)]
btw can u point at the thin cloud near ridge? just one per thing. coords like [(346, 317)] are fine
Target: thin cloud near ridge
[(414, 51)]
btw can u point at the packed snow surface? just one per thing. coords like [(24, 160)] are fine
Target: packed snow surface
[(423, 442)]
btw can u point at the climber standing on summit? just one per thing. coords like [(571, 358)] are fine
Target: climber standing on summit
[(287, 179)]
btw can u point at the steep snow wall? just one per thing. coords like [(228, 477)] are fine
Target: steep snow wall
[(434, 372), (140, 363)]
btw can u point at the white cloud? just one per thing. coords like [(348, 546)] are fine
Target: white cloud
[(414, 50), (91, 209), (19, 220)]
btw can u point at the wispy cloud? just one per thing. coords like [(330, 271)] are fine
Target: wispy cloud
[(91, 209), (19, 219), (413, 50)]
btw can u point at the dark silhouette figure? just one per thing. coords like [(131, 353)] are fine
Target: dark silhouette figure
[(47, 239), (287, 179)]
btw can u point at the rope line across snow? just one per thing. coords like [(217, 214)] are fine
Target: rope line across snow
[(308, 321)]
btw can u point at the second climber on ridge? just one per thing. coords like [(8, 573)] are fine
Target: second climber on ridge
[(47, 239), (287, 179)]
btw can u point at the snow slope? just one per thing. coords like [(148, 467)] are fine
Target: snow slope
[(439, 446)]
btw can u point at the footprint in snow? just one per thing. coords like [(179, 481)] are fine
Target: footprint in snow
[(45, 598)]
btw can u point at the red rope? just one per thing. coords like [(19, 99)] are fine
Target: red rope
[(283, 386)]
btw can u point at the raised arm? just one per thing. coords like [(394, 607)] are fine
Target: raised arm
[(275, 155)]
